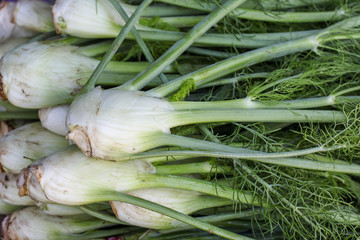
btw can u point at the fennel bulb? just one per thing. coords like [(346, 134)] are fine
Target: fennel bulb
[(33, 15), (45, 74), (39, 75), (68, 177), (7, 28), (97, 117), (9, 191), (23, 145), (32, 223), (88, 18)]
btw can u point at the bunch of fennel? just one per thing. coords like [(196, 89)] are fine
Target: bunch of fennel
[(236, 117)]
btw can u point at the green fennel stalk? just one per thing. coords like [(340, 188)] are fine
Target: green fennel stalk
[(9, 115), (270, 16), (302, 163), (260, 4), (244, 40)]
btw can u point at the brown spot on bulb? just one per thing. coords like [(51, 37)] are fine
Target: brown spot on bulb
[(79, 136), (114, 209), (22, 182), (2, 89), (6, 231)]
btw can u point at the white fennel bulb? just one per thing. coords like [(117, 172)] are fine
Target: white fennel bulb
[(69, 177), (34, 15), (9, 191), (7, 28), (33, 224), (106, 124), (88, 18), (21, 146), (38, 75)]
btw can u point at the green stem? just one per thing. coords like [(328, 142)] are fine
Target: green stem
[(133, 67), (290, 17), (247, 103), (295, 153), (321, 158), (68, 40), (94, 49), (203, 186), (161, 11), (31, 115), (192, 143), (167, 159), (171, 213), (180, 21), (114, 47), (207, 52), (236, 63), (276, 4), (269, 16), (206, 202), (235, 79), (180, 46), (41, 37), (250, 4), (101, 215), (255, 115), (258, 15), (190, 168), (116, 79), (229, 216), (350, 168), (7, 106), (243, 40)]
